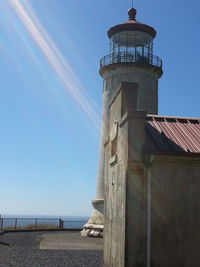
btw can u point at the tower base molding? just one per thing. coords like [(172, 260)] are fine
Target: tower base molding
[(94, 227)]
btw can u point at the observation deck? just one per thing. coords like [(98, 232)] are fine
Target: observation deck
[(144, 60)]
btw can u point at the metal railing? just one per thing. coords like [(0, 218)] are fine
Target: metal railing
[(38, 223), (131, 57)]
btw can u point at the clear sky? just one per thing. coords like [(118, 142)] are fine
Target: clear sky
[(50, 92)]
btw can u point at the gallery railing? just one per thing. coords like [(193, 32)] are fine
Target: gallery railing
[(131, 57)]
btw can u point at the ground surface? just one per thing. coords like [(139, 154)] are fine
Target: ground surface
[(24, 250), (69, 241)]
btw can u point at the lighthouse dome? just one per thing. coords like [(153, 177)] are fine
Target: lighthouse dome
[(132, 25)]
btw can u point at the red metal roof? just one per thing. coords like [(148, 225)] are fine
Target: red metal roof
[(172, 134)]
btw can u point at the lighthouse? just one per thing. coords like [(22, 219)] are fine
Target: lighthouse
[(131, 59)]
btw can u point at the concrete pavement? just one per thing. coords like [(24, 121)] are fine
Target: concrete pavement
[(69, 241)]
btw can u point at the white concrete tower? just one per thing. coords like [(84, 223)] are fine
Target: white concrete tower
[(131, 59)]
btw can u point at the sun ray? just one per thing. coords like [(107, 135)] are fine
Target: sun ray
[(55, 59)]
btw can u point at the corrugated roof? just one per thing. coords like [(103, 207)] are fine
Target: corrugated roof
[(172, 134)]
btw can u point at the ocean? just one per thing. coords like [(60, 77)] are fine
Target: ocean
[(14, 221)]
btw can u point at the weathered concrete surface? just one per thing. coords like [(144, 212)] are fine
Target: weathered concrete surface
[(152, 202), (146, 79), (69, 241), (125, 185), (114, 238), (147, 99), (94, 227), (175, 216)]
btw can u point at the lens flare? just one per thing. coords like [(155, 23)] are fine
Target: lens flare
[(55, 59)]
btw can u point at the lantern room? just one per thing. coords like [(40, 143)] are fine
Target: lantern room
[(132, 42)]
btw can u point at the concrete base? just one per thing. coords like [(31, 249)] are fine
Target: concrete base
[(94, 227), (92, 230)]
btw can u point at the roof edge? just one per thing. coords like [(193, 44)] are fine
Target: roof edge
[(127, 26), (172, 117)]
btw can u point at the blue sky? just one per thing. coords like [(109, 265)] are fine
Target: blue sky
[(50, 103)]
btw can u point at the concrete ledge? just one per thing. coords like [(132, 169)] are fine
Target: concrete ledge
[(93, 226)]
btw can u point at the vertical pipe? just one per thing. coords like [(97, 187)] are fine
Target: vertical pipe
[(149, 180), (16, 223), (36, 223), (136, 53), (119, 48)]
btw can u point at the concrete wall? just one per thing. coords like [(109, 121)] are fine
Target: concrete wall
[(175, 212), (152, 203), (147, 99), (125, 190), (115, 181), (146, 79)]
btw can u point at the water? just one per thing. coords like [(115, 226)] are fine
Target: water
[(9, 221)]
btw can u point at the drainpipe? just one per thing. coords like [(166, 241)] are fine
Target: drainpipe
[(149, 179)]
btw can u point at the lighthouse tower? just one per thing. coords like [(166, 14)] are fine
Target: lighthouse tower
[(131, 59)]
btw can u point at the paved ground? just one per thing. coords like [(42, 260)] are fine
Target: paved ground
[(24, 250), (69, 241)]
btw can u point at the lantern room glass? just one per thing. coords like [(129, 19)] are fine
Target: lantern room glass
[(133, 43)]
